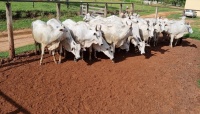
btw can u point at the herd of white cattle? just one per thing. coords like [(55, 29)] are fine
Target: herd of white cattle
[(104, 34)]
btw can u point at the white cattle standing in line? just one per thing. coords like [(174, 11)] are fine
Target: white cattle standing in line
[(122, 23), (84, 35), (47, 36), (115, 33), (68, 42)]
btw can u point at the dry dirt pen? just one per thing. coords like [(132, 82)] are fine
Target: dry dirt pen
[(162, 81)]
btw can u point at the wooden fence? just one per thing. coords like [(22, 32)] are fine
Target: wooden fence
[(58, 5), (86, 8)]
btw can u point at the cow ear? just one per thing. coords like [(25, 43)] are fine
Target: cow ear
[(96, 28)]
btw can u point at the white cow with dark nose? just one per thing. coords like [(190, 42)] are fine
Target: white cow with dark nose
[(83, 34)]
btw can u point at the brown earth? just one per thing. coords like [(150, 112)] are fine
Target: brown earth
[(163, 81)]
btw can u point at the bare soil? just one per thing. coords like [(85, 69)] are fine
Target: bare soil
[(163, 81)]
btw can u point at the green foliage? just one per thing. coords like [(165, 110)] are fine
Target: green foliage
[(174, 16), (195, 34)]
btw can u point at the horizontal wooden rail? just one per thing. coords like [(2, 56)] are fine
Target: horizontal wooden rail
[(64, 2)]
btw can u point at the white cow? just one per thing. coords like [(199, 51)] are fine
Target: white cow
[(115, 34), (88, 17), (84, 35), (177, 30), (68, 42), (146, 30), (105, 48), (116, 21), (47, 36)]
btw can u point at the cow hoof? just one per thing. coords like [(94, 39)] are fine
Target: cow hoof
[(75, 60), (113, 61)]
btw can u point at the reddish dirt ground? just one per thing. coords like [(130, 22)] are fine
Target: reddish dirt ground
[(163, 81)]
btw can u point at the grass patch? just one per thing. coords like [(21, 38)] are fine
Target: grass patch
[(198, 82), (175, 16), (18, 50)]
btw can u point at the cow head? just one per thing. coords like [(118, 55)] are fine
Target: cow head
[(71, 46), (75, 49), (189, 27), (98, 35), (140, 44), (88, 17)]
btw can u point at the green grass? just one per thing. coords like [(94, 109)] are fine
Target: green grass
[(198, 82), (18, 50), (42, 6)]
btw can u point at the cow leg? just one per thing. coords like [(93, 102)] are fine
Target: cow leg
[(176, 42), (60, 57), (171, 40), (37, 48), (95, 54), (90, 53), (155, 39), (113, 48), (54, 58), (42, 54), (181, 40), (82, 54)]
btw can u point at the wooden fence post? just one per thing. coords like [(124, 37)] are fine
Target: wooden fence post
[(10, 31), (120, 9), (156, 15), (87, 8), (105, 10), (132, 8), (58, 11), (81, 9)]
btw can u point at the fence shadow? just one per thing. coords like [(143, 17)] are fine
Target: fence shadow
[(18, 63), (20, 109)]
